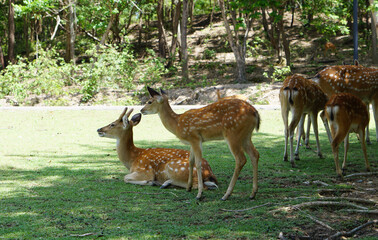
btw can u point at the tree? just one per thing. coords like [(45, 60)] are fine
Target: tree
[(11, 32), (162, 37), (374, 30), (242, 13), (184, 47), (70, 29)]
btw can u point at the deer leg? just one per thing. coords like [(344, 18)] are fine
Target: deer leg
[(240, 160), (300, 130), (346, 147), (337, 138), (314, 121), (254, 155), (363, 146), (375, 113), (307, 138), (191, 166), (196, 148), (367, 127), (326, 126), (285, 119), (139, 179)]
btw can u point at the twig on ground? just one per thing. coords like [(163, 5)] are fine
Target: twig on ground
[(316, 220), (323, 191), (281, 236), (320, 183), (361, 174), (320, 203), (327, 203), (351, 232), (359, 200), (159, 193), (246, 209), (362, 211), (82, 235)]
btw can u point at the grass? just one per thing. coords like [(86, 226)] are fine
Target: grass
[(58, 179)]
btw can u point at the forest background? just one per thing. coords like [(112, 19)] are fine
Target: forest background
[(53, 51)]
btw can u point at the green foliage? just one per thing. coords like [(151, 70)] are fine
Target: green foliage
[(50, 75), (153, 69), (279, 73), (209, 54), (45, 75)]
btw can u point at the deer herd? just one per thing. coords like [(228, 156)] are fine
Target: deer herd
[(341, 93)]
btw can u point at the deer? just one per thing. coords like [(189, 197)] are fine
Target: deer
[(346, 113), (152, 166), (237, 96), (355, 79), (329, 46), (301, 96), (233, 120)]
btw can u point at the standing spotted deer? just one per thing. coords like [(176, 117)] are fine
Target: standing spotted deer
[(300, 96), (151, 166), (346, 113), (231, 119), (355, 79)]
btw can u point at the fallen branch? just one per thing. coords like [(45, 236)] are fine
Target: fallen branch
[(362, 211), (361, 174), (247, 209), (159, 193), (328, 203), (359, 200), (351, 232), (82, 235), (316, 220)]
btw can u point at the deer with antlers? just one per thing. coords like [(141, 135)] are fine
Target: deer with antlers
[(301, 96), (346, 113), (355, 79), (152, 166), (231, 119)]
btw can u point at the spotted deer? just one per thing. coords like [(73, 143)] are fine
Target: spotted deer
[(237, 96), (231, 119), (152, 166), (329, 46), (346, 113), (355, 79), (301, 96)]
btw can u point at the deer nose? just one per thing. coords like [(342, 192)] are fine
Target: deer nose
[(99, 130)]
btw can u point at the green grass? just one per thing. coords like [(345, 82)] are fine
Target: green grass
[(58, 179)]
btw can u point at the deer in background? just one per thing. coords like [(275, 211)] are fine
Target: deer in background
[(346, 113), (152, 166), (237, 96), (301, 96), (329, 46), (231, 119), (355, 79)]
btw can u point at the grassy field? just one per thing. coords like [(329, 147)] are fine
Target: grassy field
[(58, 179)]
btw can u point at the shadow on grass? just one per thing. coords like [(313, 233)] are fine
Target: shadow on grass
[(71, 195)]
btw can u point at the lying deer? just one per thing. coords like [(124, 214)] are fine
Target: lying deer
[(231, 119), (355, 79), (346, 113), (152, 166), (237, 96), (301, 96)]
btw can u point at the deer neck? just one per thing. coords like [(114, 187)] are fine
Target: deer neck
[(168, 117), (126, 149)]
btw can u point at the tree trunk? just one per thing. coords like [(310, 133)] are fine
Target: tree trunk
[(161, 34), (175, 28), (184, 47), (110, 23), (285, 42), (11, 33), (26, 35), (235, 46), (2, 62), (70, 32), (374, 37)]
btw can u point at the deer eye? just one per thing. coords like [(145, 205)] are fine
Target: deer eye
[(149, 102), (112, 125)]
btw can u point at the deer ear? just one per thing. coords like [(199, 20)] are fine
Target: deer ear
[(125, 121), (163, 92), (136, 119), (152, 92)]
